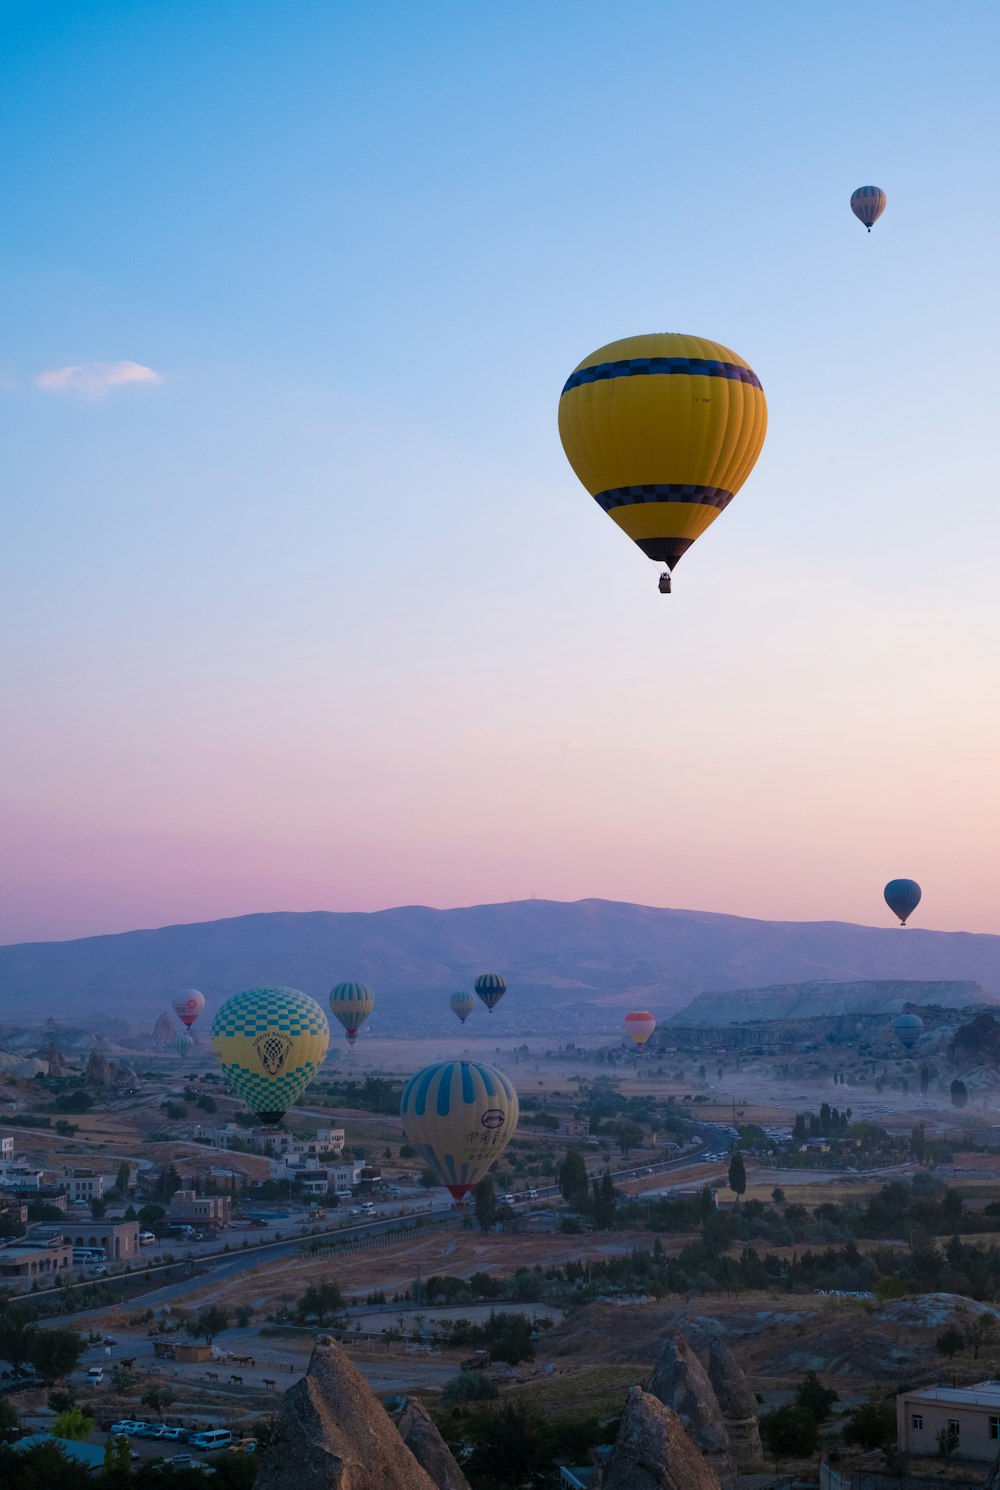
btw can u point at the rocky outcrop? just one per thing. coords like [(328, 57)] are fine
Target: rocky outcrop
[(653, 1451), (53, 1057), (100, 1071), (333, 1434), (976, 1043), (425, 1443), (164, 1030), (126, 1076), (680, 1383), (737, 1404)]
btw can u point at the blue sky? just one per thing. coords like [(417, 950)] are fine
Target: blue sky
[(316, 615)]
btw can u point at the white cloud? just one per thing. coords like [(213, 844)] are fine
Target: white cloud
[(94, 379)]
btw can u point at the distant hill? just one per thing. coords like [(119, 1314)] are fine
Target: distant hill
[(591, 959), (825, 1000)]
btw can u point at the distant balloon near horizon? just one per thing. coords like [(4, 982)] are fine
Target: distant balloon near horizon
[(902, 897), (639, 1025), (270, 1043), (868, 204), (351, 1004), (459, 1116), (663, 430), (187, 1005), (184, 1044), (491, 988), (462, 1005), (908, 1028)]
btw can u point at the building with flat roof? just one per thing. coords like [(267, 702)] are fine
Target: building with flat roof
[(971, 1414), (83, 1184), (188, 1209), (32, 1258)]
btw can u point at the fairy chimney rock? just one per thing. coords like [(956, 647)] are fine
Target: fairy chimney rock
[(334, 1434), (680, 1382), (425, 1443), (738, 1404), (653, 1451)]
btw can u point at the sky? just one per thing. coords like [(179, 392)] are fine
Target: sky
[(301, 604)]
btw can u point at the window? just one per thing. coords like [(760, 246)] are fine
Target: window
[(995, 1428), (954, 1426), (917, 1422)]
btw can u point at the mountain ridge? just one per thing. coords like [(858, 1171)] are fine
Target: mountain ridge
[(596, 956)]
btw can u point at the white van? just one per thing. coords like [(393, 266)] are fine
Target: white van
[(217, 1438), (147, 1239)]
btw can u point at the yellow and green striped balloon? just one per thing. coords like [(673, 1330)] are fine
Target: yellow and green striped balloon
[(663, 430), (351, 1004), (270, 1042), (459, 1116)]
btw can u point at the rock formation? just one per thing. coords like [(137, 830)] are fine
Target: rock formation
[(124, 1075), (737, 1403), (164, 1029), (428, 1447), (53, 1057), (333, 1434), (680, 1383), (653, 1451), (100, 1071)]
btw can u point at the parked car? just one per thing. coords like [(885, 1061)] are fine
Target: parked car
[(147, 1239), (176, 1434), (125, 1429), (215, 1438), (95, 1375)]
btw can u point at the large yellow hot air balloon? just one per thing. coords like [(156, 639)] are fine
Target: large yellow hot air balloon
[(459, 1116), (270, 1042), (663, 430)]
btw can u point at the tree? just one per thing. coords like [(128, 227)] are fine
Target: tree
[(157, 1399), (872, 1426), (815, 1397), (737, 1175), (947, 1441), (512, 1446), (54, 1353), (485, 1201), (321, 1301), (918, 1143), (790, 1432), (118, 1457), (9, 1425), (207, 1323), (122, 1178), (980, 1333), (74, 1423), (959, 1093), (428, 1179), (778, 1195), (925, 1080), (574, 1185), (604, 1201), (469, 1386), (509, 1338), (950, 1342)]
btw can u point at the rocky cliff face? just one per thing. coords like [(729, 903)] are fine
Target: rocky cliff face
[(164, 1029), (54, 1060), (737, 1404), (880, 998), (333, 1434), (976, 1044), (428, 1447), (680, 1383), (653, 1451)]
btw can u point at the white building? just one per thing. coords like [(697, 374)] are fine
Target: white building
[(313, 1176), (970, 1416), (6, 1146), (266, 1141), (83, 1184), (16, 1174)]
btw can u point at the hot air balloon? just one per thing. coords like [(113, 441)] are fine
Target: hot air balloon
[(908, 1027), (639, 1026), (491, 988), (902, 897), (462, 1004), (351, 1004), (188, 1004), (459, 1116), (270, 1042), (868, 204), (663, 430), (183, 1044)]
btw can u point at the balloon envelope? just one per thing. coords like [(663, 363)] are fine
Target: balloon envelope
[(902, 897), (270, 1042), (183, 1043), (351, 1004), (188, 1004), (908, 1027), (459, 1116), (462, 1004), (491, 988), (663, 430), (868, 204), (639, 1026)]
